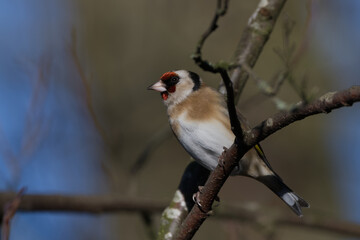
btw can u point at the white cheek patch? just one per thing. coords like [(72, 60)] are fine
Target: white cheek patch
[(182, 90)]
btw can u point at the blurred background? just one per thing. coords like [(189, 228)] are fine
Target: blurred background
[(75, 114)]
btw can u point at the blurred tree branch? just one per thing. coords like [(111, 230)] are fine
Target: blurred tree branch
[(290, 57), (220, 11), (245, 213), (156, 140), (35, 125), (80, 203), (10, 207), (194, 175), (87, 89), (252, 42)]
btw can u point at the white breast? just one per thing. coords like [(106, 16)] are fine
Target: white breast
[(204, 141)]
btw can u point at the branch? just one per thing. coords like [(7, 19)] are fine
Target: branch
[(87, 89), (256, 215), (85, 204), (270, 91), (247, 213), (234, 121), (10, 209), (290, 57), (253, 40), (209, 192), (230, 157), (220, 11), (324, 104), (152, 144), (194, 175)]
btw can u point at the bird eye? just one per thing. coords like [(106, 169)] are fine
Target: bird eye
[(174, 79)]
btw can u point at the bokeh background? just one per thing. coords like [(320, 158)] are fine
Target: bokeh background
[(75, 114)]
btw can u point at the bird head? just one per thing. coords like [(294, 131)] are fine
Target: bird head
[(176, 86)]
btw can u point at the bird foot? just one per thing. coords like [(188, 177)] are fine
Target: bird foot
[(196, 199), (196, 196)]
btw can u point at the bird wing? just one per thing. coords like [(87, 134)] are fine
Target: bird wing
[(245, 125), (261, 154)]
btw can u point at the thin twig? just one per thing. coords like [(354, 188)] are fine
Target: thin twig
[(290, 55), (88, 95), (264, 87), (35, 127), (290, 60), (152, 144), (235, 123), (10, 209), (305, 36), (221, 9), (270, 91)]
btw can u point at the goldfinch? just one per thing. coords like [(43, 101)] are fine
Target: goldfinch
[(199, 118)]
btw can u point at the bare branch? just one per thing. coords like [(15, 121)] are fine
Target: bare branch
[(194, 175), (85, 204), (230, 157), (247, 213), (304, 41), (152, 144), (208, 193), (113, 204), (324, 104), (270, 91), (235, 123), (222, 6), (253, 40), (35, 126), (256, 215), (88, 95), (10, 209)]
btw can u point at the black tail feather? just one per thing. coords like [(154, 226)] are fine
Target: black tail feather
[(284, 192)]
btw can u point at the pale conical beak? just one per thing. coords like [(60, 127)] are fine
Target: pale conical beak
[(158, 86)]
